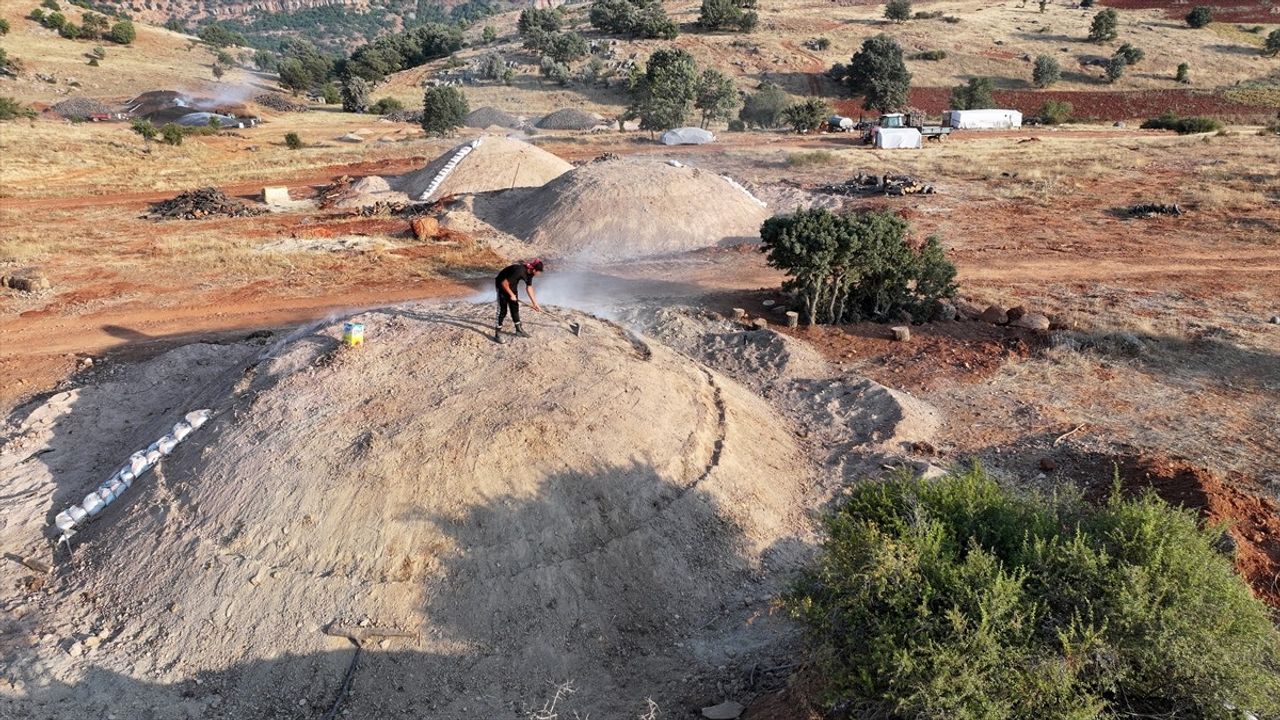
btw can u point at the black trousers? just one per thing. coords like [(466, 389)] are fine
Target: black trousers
[(505, 303)]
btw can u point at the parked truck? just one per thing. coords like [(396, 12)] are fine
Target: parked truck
[(906, 120)]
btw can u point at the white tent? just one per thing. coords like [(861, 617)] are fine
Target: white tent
[(898, 138), (983, 119), (686, 136)]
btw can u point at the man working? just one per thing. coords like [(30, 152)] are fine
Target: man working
[(507, 283)]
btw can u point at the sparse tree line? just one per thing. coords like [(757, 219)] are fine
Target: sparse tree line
[(93, 26)]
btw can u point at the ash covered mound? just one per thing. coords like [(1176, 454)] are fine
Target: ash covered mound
[(627, 209), (589, 508), (496, 163)]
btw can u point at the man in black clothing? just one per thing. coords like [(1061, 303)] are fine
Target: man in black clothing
[(508, 285)]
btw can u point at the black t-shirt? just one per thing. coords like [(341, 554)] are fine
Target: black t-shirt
[(513, 274)]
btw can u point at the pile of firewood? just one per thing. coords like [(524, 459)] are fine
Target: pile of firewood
[(202, 203), (865, 184)]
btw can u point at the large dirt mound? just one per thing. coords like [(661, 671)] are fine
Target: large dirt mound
[(497, 163), (593, 508), (627, 209)]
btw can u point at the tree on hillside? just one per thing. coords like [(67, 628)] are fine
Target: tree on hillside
[(664, 95), (93, 26), (355, 94), (1200, 16), (973, 95), (1183, 74), (4, 26), (443, 110), (1272, 47), (218, 71), (1045, 72), (807, 114), (122, 33), (636, 18), (1130, 54), (877, 73), (1115, 68), (763, 108), (1105, 26), (489, 34), (716, 96), (898, 10), (728, 15), (411, 48), (218, 35), (547, 20), (567, 47)]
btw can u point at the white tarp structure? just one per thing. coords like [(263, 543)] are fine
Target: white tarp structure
[(686, 136), (890, 138), (983, 119)]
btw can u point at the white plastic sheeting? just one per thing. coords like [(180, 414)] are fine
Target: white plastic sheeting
[(744, 191), (989, 119), (686, 136), (463, 151), (139, 463), (898, 138)]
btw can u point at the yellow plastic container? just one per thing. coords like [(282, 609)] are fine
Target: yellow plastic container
[(352, 334)]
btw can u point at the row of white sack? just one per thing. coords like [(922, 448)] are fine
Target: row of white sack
[(139, 463)]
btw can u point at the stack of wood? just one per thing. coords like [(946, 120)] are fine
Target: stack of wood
[(202, 203), (866, 184)]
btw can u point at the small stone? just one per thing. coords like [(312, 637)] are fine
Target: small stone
[(760, 324), (995, 315), (1034, 321), (769, 303), (901, 333), (727, 710), (384, 644), (76, 649), (1048, 465), (92, 642), (947, 312), (1275, 319), (739, 314), (1015, 312)]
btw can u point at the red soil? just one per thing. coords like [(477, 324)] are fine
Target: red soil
[(1088, 104), (1257, 11)]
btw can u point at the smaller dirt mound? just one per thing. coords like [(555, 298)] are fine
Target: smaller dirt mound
[(570, 119), (490, 116), (627, 209), (202, 203), (280, 103), (495, 163), (81, 108)]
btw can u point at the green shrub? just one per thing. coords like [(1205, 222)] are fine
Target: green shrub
[(1272, 45), (292, 141), (1056, 112), (171, 134), (51, 4), (385, 106), (1183, 75), (959, 598), (858, 266), (93, 62), (931, 55), (4, 26), (1131, 54), (973, 95), (1045, 72), (489, 34), (1200, 16), (763, 109), (807, 114), (928, 15), (728, 15), (11, 109), (736, 125), (331, 94), (1182, 125), (637, 18)]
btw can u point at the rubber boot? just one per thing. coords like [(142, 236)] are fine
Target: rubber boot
[(497, 334), (520, 331)]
